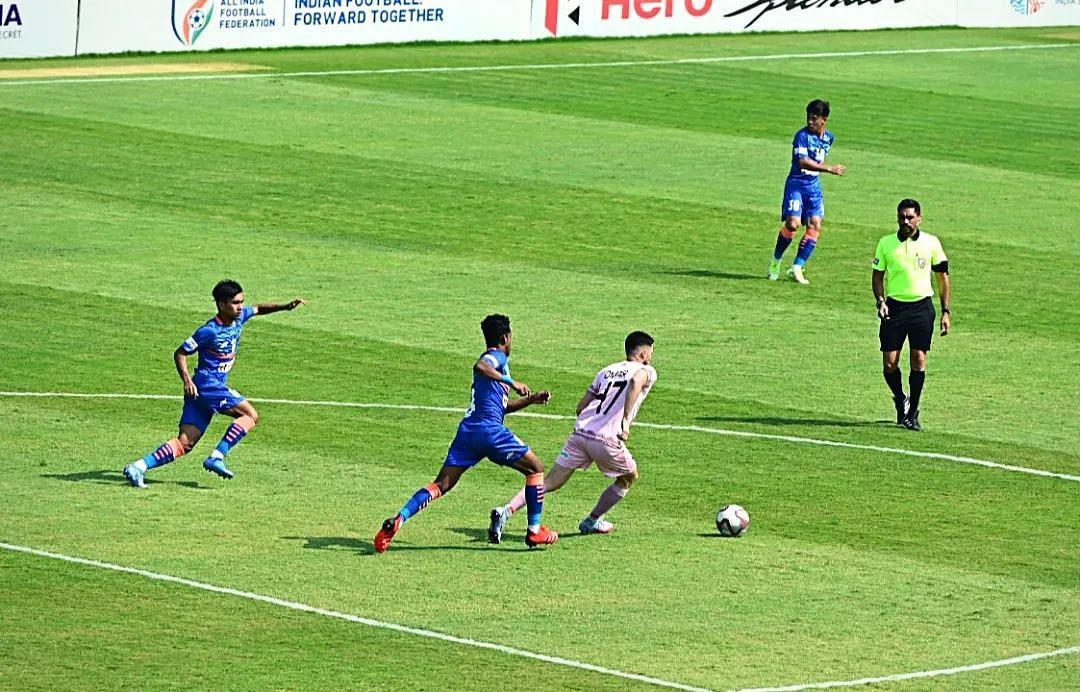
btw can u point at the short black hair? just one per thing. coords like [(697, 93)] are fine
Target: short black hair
[(226, 290), (495, 327), (818, 107), (908, 203), (635, 341)]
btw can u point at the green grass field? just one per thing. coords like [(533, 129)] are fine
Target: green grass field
[(584, 203)]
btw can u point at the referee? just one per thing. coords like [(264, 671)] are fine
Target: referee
[(903, 263)]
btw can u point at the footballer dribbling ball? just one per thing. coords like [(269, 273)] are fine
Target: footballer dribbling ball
[(732, 521)]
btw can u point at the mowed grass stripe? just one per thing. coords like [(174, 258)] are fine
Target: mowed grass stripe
[(548, 416), (100, 609)]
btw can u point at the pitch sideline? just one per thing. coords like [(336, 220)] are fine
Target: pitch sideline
[(538, 66), (655, 426)]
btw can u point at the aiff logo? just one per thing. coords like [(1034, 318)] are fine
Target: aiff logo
[(1026, 6), (189, 24)]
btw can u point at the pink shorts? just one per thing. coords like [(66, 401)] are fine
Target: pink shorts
[(580, 452)]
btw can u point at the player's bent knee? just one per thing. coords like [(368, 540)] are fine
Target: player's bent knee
[(627, 479)]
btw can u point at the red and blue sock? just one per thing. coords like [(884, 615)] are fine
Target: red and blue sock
[(806, 247), (783, 239), (235, 434), (166, 453), (420, 499), (534, 498)]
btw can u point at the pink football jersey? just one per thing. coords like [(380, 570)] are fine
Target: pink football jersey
[(602, 418)]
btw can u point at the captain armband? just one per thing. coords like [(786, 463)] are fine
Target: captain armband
[(941, 267)]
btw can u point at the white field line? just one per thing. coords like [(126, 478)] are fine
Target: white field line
[(202, 77), (656, 426), (921, 674), (292, 605)]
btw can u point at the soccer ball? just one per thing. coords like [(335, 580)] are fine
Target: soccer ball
[(732, 520)]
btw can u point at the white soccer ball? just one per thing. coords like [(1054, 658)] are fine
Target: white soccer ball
[(732, 520), (197, 19)]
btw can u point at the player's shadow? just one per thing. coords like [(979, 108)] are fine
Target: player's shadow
[(332, 543), (365, 547), (107, 476), (514, 539), (791, 420), (111, 477), (712, 274)]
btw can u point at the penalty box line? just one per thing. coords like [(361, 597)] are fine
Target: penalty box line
[(793, 439)]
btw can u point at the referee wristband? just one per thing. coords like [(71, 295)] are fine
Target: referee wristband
[(946, 311), (880, 301)]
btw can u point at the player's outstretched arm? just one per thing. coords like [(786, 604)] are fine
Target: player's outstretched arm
[(534, 398), (267, 308)]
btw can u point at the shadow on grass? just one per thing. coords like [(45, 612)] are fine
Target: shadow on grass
[(333, 543), (712, 274), (786, 420), (477, 541), (113, 477)]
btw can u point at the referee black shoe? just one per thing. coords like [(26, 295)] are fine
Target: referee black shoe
[(901, 409), (911, 421)]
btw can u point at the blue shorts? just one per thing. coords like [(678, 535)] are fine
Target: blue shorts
[(802, 200), (498, 444), (212, 399)]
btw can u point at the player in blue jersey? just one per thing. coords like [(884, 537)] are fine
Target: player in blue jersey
[(803, 201), (208, 392), (481, 434)]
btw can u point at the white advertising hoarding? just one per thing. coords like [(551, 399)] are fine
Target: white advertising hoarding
[(113, 26), (38, 28), (1019, 12), (653, 17)]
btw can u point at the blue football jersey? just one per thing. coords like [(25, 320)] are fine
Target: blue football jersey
[(489, 397), (217, 344), (807, 145)]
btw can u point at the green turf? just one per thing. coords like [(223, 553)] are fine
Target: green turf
[(584, 203)]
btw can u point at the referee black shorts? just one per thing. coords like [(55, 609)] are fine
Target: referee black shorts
[(912, 321)]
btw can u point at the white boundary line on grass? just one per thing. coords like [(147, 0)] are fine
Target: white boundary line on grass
[(532, 66), (293, 605), (656, 426), (921, 674)]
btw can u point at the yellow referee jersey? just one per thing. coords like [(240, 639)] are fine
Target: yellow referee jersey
[(907, 263)]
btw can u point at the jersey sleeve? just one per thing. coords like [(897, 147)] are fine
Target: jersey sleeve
[(246, 313), (937, 253), (651, 372), (879, 257), (801, 145), (202, 336), (495, 359), (596, 384)]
